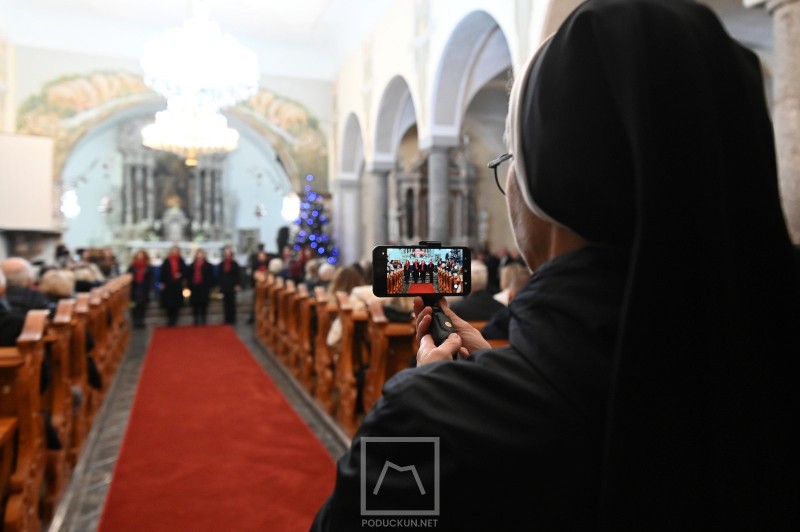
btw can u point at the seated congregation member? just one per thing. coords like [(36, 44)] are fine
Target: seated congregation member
[(85, 278), (650, 380), (326, 273), (259, 262), (10, 323), (141, 286), (201, 279), (478, 305), (171, 281), (57, 285), (20, 293), (515, 277), (311, 277), (230, 282), (508, 274), (344, 280), (108, 264)]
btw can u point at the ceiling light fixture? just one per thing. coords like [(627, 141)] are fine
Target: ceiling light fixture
[(199, 70)]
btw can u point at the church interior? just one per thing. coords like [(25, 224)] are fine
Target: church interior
[(218, 165)]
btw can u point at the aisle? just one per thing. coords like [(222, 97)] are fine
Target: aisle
[(212, 444)]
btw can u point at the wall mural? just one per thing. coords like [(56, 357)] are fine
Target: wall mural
[(70, 106)]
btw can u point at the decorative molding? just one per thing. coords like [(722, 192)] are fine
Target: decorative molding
[(68, 107)]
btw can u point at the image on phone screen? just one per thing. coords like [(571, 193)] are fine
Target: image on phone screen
[(411, 271)]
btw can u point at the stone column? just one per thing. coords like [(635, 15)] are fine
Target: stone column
[(220, 201), (380, 198), (197, 213), (786, 112), (138, 192), (151, 191), (130, 172), (347, 218), (438, 195)]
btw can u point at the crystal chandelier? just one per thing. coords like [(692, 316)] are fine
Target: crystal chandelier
[(189, 131), (200, 71)]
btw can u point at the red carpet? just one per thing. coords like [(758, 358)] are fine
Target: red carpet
[(212, 444), (421, 288)]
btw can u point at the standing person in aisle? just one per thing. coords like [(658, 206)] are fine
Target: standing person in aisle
[(201, 279), (230, 282), (141, 285), (172, 279)]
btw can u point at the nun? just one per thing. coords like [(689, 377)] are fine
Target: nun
[(650, 380)]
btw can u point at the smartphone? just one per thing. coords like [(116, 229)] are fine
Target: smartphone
[(417, 270)]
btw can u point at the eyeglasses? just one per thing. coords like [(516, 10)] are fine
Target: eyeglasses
[(494, 164)]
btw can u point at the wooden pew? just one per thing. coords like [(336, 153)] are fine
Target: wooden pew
[(303, 360), (8, 437), (272, 333), (285, 321), (78, 375), (119, 302), (57, 399), (323, 357), (352, 355), (260, 289), (288, 322), (20, 374), (98, 325), (391, 349)]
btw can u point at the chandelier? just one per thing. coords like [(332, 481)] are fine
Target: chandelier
[(199, 70), (189, 131)]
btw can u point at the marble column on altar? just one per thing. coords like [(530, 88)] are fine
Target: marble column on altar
[(196, 198), (129, 190), (206, 198), (438, 194), (138, 179), (220, 203), (150, 191), (786, 112)]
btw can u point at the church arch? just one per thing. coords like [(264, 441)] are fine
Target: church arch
[(349, 226), (476, 53)]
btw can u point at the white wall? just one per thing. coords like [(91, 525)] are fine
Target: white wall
[(26, 183)]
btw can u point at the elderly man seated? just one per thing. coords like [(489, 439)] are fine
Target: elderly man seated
[(479, 305), (20, 293), (10, 325)]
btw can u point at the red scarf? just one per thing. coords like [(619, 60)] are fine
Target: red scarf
[(226, 265), (139, 269), (173, 262), (198, 272)]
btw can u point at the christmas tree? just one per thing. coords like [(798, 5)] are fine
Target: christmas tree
[(311, 228)]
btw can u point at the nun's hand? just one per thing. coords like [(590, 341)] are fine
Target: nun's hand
[(428, 352), (471, 339)]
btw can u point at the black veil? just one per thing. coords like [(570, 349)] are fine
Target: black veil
[(642, 125)]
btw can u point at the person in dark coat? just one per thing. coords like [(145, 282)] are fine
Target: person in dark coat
[(10, 324), (20, 292), (651, 378), (172, 280), (141, 286), (200, 277), (479, 304), (230, 282)]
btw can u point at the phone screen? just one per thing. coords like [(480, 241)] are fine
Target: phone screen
[(412, 271)]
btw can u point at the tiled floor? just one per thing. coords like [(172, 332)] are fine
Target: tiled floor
[(82, 503)]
